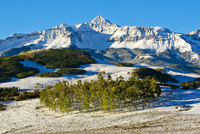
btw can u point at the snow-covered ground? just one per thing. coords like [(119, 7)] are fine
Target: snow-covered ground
[(92, 70), (42, 68), (30, 116)]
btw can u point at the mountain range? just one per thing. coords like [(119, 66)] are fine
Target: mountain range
[(152, 45)]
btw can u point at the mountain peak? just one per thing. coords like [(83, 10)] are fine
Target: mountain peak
[(62, 26), (197, 31), (102, 25), (99, 20), (194, 33), (99, 17)]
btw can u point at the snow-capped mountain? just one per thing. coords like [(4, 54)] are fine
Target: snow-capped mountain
[(94, 35), (102, 34)]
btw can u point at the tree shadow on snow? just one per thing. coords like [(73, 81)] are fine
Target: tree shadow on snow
[(177, 97)]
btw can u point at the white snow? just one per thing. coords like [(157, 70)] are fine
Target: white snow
[(183, 76), (145, 57), (31, 117), (156, 39), (33, 64)]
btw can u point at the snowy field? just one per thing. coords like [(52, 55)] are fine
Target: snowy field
[(92, 70), (30, 116)]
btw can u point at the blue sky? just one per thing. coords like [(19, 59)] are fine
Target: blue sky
[(24, 16)]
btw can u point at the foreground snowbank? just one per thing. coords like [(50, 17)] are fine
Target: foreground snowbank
[(30, 117)]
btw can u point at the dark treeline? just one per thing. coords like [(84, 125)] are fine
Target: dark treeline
[(52, 58), (61, 72), (10, 67), (190, 84), (2, 107), (121, 64), (71, 71), (49, 74), (8, 93), (60, 58), (28, 95), (100, 94), (12, 93), (158, 74)]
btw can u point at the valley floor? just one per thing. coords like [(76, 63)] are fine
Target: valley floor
[(29, 116)]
